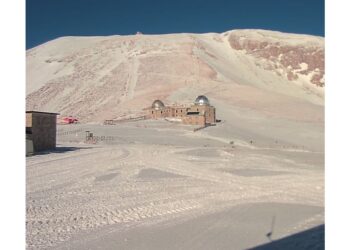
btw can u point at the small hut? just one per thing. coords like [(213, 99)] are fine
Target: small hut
[(40, 131)]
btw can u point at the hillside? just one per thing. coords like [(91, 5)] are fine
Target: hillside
[(97, 78)]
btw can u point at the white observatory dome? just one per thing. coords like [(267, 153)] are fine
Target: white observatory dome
[(202, 100), (157, 104)]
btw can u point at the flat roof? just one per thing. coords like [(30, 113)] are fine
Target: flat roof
[(40, 112)]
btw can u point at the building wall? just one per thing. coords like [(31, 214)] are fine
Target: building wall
[(179, 111), (157, 114), (29, 145), (43, 130), (167, 112), (210, 115), (194, 120), (206, 112), (28, 119)]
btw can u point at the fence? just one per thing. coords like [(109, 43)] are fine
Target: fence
[(114, 122), (70, 132), (95, 139)]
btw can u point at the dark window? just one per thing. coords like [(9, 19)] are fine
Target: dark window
[(192, 113), (28, 130)]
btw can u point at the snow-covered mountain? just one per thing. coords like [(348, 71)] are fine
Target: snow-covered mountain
[(97, 78)]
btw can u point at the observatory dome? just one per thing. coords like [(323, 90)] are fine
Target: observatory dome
[(202, 100), (157, 104)]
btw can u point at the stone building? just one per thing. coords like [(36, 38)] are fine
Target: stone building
[(40, 131), (199, 113)]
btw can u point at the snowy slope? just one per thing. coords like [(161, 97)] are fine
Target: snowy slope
[(97, 78)]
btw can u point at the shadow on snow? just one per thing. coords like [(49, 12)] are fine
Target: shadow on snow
[(309, 239)]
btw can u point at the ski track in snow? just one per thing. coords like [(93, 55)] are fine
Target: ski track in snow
[(73, 193), (133, 78)]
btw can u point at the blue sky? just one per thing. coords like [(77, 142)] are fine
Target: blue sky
[(49, 19)]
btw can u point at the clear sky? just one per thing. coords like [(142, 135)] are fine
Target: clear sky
[(49, 19)]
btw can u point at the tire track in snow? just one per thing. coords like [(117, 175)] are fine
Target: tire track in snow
[(51, 231)]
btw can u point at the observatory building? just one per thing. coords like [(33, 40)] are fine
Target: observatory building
[(199, 113)]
